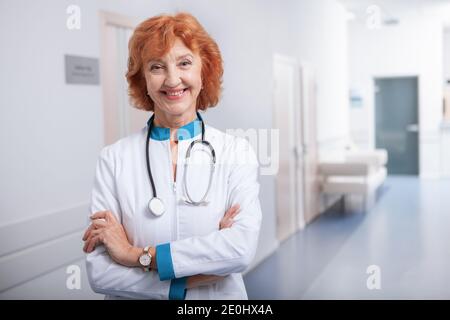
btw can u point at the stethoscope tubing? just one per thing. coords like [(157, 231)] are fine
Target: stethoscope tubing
[(188, 154)]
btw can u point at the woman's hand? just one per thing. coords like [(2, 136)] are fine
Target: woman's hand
[(106, 230), (204, 279), (201, 280), (227, 220)]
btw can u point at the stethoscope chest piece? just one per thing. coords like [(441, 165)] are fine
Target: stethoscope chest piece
[(156, 206)]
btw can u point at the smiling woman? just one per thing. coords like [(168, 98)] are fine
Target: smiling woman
[(174, 81), (146, 46), (185, 242)]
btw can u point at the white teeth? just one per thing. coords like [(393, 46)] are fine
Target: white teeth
[(177, 93)]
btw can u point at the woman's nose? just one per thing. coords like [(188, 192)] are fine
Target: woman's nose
[(173, 77)]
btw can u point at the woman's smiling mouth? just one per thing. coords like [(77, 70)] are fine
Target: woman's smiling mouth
[(174, 94)]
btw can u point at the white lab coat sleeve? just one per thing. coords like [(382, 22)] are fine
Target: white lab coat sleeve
[(105, 275), (229, 250)]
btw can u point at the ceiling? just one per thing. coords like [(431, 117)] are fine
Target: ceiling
[(398, 9)]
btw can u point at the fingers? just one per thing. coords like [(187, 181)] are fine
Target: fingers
[(93, 234), (201, 280), (99, 214), (91, 243), (232, 212), (99, 223), (96, 224), (89, 246), (88, 231), (92, 239), (226, 224), (107, 215), (86, 243), (227, 220), (236, 211)]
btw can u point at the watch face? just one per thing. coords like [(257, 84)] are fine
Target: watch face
[(145, 260)]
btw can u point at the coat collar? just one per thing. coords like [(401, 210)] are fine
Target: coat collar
[(188, 131)]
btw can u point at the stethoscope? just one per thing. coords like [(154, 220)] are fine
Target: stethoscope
[(156, 205)]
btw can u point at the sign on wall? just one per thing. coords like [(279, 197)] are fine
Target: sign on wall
[(81, 70)]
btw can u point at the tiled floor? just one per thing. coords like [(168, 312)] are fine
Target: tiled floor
[(406, 234)]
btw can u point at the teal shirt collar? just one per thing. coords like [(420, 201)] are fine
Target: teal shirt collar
[(185, 132)]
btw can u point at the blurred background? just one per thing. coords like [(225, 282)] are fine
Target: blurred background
[(355, 194)]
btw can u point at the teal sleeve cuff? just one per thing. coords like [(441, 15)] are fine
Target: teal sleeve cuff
[(177, 289), (164, 262)]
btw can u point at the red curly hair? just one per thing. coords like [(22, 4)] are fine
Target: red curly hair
[(154, 37)]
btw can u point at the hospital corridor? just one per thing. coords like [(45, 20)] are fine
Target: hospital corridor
[(216, 150), (333, 254)]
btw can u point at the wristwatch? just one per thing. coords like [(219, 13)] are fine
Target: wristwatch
[(145, 259)]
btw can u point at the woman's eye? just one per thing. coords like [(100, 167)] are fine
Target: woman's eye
[(186, 63), (155, 67)]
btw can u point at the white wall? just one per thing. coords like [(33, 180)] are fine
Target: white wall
[(51, 132), (446, 56), (414, 47), (445, 129)]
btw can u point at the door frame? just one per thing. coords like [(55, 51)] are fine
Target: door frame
[(108, 71), (310, 158), (295, 205)]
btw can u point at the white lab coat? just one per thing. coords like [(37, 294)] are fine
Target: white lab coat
[(197, 245)]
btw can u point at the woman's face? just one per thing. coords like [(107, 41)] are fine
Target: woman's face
[(174, 80)]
